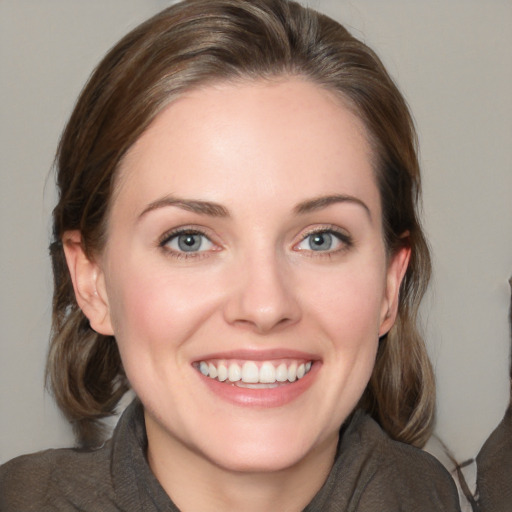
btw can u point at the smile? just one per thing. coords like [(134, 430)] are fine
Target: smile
[(248, 373)]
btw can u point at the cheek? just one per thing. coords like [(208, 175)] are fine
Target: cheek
[(345, 310), (349, 301), (156, 308)]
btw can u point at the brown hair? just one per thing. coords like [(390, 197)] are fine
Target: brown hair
[(191, 44)]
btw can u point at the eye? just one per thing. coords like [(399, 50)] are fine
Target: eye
[(326, 240), (187, 242)]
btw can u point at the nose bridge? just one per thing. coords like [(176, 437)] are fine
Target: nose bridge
[(263, 293)]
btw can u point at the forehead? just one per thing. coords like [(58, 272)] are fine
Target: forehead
[(251, 137)]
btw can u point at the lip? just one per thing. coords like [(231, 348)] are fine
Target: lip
[(259, 355), (261, 398)]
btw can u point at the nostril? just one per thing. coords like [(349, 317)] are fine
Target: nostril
[(263, 299), (261, 324)]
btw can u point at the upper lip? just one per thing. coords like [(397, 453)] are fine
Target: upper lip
[(260, 355)]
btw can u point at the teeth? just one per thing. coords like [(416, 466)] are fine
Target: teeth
[(292, 372), (212, 371), (234, 373), (222, 372), (267, 373), (251, 374), (203, 368), (282, 373)]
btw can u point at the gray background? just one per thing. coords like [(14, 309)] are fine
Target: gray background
[(452, 60)]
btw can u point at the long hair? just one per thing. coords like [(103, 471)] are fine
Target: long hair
[(192, 44)]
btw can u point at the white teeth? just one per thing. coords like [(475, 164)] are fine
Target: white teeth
[(222, 372), (203, 368), (212, 371), (234, 373), (267, 373), (249, 373), (256, 386), (282, 373), (292, 372)]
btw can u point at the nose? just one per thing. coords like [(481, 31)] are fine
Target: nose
[(263, 296)]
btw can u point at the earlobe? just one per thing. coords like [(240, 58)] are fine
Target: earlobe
[(88, 283), (395, 274)]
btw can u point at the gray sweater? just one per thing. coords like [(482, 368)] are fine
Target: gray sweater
[(371, 473), (494, 463)]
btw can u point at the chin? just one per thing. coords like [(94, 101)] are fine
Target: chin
[(258, 460), (266, 451)]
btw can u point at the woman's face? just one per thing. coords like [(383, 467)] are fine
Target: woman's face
[(245, 242)]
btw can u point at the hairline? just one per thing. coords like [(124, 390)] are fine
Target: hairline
[(243, 78)]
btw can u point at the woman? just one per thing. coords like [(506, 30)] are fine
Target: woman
[(237, 241)]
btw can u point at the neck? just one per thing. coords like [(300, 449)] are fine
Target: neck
[(196, 483)]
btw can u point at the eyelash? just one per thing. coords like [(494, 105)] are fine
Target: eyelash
[(169, 236), (343, 238)]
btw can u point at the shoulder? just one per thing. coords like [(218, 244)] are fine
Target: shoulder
[(494, 463), (64, 479), (498, 445), (397, 476)]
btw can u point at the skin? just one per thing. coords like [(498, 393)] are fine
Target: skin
[(257, 150)]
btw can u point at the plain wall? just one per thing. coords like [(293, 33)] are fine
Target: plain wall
[(453, 61)]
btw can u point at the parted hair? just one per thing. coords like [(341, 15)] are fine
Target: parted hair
[(189, 45)]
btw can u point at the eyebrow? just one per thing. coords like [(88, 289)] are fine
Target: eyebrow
[(200, 207), (322, 202), (216, 210)]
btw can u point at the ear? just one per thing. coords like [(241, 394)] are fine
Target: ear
[(88, 283), (397, 268)]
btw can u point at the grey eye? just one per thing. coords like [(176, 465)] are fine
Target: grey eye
[(324, 241), (320, 241), (189, 242)]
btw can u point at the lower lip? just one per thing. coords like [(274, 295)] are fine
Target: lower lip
[(265, 397)]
